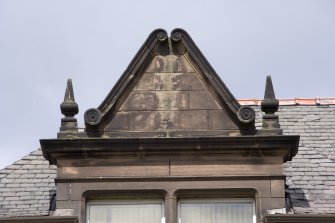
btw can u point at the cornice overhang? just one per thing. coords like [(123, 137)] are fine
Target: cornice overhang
[(230, 146), (299, 218)]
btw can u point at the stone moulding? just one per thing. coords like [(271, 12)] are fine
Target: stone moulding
[(40, 219), (239, 146)]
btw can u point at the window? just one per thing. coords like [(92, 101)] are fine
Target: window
[(116, 211), (216, 211)]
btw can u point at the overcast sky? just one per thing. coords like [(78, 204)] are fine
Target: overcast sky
[(42, 43)]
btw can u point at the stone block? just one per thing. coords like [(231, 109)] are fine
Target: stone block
[(172, 100), (194, 120), (149, 82), (121, 121), (191, 82), (145, 121), (202, 100), (169, 64), (63, 191), (219, 120), (140, 101), (277, 188)]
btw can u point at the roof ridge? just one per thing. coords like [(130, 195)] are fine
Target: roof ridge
[(291, 101)]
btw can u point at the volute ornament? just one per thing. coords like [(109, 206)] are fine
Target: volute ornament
[(92, 116), (246, 114)]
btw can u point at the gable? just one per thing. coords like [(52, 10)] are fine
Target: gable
[(168, 90), (170, 96)]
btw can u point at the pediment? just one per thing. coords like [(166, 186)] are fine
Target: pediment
[(169, 90)]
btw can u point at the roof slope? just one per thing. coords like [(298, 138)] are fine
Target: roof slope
[(311, 174), (27, 186)]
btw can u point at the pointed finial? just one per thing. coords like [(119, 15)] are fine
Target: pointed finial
[(270, 104), (69, 109), (269, 92)]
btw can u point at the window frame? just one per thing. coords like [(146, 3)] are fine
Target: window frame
[(218, 200), (125, 201)]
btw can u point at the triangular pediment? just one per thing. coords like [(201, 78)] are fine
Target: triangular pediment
[(169, 90)]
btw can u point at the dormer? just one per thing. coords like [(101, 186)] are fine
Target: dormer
[(170, 136)]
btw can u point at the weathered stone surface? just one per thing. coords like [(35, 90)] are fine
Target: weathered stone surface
[(218, 120), (202, 100), (170, 96), (170, 81), (191, 82), (172, 100), (170, 64), (145, 120), (121, 121), (152, 81), (140, 101), (197, 120)]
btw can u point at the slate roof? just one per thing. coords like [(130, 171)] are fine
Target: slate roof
[(27, 186), (311, 174)]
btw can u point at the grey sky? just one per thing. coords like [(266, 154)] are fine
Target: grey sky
[(42, 43)]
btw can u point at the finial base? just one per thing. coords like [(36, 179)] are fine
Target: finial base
[(68, 124)]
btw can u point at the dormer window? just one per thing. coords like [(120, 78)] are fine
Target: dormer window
[(170, 125), (216, 210), (125, 211)]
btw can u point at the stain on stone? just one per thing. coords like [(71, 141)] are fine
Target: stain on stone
[(219, 120), (149, 81), (169, 120), (194, 120), (140, 101), (202, 100), (172, 100), (190, 81), (168, 81), (121, 121), (143, 120), (169, 64)]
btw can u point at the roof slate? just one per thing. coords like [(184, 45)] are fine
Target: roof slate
[(311, 174), (27, 186)]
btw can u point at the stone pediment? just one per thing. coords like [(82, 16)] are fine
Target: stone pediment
[(169, 90)]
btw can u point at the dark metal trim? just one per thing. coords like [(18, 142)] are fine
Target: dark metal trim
[(40, 219), (300, 218), (168, 178)]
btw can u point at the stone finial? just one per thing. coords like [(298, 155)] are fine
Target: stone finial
[(69, 109), (269, 105)]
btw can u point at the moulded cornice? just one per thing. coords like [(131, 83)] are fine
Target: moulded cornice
[(230, 146)]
